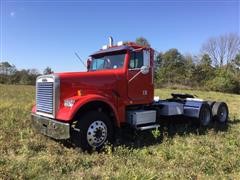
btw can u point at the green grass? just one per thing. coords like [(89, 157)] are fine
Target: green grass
[(182, 151)]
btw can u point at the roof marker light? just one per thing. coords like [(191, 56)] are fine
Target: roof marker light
[(105, 47), (120, 43)]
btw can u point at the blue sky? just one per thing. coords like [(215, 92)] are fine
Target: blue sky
[(41, 33)]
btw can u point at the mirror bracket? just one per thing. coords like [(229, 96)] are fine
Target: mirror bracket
[(144, 70)]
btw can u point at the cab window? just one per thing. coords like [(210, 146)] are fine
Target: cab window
[(136, 60)]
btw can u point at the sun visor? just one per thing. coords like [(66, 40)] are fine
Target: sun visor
[(113, 49)]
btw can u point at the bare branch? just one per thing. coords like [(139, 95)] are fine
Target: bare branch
[(222, 49)]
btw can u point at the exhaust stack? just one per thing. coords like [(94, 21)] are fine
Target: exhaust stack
[(110, 41)]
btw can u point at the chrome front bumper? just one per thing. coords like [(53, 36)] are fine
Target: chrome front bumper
[(50, 127)]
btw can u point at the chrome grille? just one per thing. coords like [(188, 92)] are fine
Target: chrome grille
[(44, 97)]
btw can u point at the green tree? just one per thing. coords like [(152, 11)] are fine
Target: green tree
[(189, 68), (203, 71), (6, 71), (47, 70), (206, 60), (6, 68), (157, 69), (224, 81), (32, 75), (171, 67), (237, 61), (143, 42)]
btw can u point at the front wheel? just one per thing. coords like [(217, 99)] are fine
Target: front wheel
[(93, 130)]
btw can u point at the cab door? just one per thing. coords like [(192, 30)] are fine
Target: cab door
[(140, 78)]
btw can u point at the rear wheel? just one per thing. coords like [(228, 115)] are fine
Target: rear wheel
[(94, 130), (211, 103), (220, 112), (205, 115)]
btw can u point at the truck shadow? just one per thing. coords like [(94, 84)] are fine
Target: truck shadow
[(168, 130)]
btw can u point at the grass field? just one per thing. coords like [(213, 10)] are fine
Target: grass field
[(181, 151)]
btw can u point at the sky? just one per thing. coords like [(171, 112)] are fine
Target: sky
[(41, 33)]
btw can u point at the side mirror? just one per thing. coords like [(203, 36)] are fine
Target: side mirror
[(88, 64), (144, 69)]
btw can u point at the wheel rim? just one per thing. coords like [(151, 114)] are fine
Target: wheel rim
[(206, 117), (222, 114), (97, 133)]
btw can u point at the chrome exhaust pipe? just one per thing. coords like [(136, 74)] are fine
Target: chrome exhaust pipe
[(110, 41)]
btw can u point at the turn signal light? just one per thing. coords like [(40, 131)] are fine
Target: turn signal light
[(79, 93)]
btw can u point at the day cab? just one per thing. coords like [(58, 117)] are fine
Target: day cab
[(117, 90)]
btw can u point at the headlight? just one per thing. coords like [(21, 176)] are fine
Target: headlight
[(69, 103)]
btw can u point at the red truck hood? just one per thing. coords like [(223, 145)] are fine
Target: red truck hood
[(97, 82)]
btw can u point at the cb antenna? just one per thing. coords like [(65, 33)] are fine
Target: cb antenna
[(80, 59)]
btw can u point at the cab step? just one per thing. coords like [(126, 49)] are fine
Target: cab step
[(153, 126)]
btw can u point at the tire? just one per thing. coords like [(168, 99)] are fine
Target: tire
[(211, 103), (220, 112), (94, 130), (205, 115)]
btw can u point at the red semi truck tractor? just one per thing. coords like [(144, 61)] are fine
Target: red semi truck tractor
[(116, 91)]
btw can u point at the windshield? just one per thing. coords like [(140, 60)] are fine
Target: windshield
[(104, 61)]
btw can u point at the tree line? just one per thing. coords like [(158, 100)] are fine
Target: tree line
[(216, 67), (9, 74)]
